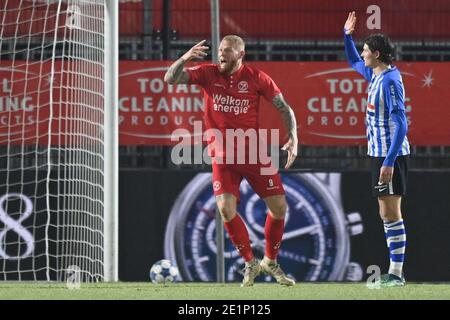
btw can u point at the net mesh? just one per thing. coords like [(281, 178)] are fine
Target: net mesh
[(51, 139)]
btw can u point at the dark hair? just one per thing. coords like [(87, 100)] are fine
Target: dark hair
[(379, 42)]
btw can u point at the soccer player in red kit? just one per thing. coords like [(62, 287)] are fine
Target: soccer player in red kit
[(232, 91)]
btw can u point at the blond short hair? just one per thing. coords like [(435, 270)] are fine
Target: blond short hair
[(235, 41)]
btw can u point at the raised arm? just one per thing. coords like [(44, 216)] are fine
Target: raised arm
[(176, 73), (291, 126), (353, 57)]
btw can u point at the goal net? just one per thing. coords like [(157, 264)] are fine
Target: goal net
[(52, 146)]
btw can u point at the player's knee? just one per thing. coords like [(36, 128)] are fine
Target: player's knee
[(278, 208), (390, 216), (227, 210), (390, 209)]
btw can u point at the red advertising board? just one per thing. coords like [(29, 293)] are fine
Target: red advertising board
[(328, 100), (150, 109), (24, 103), (39, 100)]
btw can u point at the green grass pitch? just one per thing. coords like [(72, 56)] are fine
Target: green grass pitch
[(230, 291)]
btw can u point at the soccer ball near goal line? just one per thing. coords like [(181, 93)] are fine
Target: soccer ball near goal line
[(163, 272)]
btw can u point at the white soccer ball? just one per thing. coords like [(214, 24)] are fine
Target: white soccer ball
[(163, 272)]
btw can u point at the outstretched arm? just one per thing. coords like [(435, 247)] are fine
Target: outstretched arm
[(176, 73), (353, 57), (291, 126)]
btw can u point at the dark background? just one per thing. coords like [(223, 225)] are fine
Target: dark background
[(146, 197)]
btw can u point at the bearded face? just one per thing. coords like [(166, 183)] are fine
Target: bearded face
[(229, 57)]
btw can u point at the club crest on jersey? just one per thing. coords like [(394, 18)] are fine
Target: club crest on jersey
[(217, 185), (243, 86)]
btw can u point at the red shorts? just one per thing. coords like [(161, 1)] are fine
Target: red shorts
[(227, 179)]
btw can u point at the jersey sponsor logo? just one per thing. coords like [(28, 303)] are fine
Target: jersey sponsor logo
[(370, 107), (229, 104), (243, 86)]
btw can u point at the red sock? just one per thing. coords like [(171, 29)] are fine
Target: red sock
[(239, 237), (273, 231)]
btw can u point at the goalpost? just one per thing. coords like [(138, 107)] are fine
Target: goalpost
[(58, 140)]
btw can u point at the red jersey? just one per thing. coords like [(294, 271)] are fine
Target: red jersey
[(232, 101)]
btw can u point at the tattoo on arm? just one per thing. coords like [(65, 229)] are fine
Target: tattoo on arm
[(176, 74), (287, 113)]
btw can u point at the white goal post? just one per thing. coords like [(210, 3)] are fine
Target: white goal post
[(59, 140)]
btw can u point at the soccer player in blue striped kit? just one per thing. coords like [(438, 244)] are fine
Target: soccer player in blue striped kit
[(388, 146)]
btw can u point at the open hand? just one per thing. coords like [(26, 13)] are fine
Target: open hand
[(386, 174), (350, 24), (291, 147)]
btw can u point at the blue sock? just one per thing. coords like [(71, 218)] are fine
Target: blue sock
[(396, 242)]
